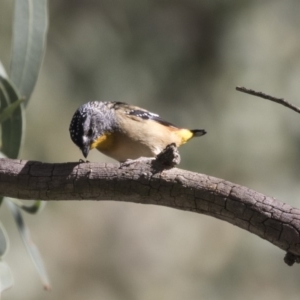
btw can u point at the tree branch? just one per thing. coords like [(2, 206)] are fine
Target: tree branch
[(138, 182)]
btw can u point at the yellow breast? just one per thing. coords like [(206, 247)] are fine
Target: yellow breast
[(104, 142)]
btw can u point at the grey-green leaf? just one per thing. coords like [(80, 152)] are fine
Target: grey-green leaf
[(2, 71), (29, 41), (2, 155), (7, 112), (4, 243), (33, 209), (6, 278), (13, 128), (30, 246)]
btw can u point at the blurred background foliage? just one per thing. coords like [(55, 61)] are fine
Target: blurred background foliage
[(181, 59)]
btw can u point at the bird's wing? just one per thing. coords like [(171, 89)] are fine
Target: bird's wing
[(139, 114)]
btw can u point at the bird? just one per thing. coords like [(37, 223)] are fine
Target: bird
[(124, 132)]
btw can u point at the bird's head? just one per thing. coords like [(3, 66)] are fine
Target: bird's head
[(91, 121)]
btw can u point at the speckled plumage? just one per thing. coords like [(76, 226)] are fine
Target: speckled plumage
[(93, 115), (123, 131)]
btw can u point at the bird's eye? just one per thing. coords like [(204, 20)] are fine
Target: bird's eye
[(90, 132)]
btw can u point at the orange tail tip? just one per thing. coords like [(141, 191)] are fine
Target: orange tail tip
[(198, 132)]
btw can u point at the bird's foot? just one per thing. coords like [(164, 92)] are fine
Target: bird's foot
[(129, 162), (82, 161)]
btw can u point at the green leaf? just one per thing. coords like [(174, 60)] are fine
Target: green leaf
[(35, 208), (2, 71), (6, 278), (29, 41), (4, 242), (8, 111), (13, 128), (30, 246), (2, 155)]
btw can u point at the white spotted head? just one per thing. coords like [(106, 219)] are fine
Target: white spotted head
[(90, 121)]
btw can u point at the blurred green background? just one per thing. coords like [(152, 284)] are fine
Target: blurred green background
[(183, 60)]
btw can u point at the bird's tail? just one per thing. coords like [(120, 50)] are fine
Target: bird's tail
[(198, 132), (187, 134)]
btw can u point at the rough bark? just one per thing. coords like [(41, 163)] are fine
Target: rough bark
[(139, 182)]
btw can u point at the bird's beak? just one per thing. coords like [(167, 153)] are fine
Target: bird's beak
[(85, 150)]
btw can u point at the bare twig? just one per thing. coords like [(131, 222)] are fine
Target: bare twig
[(268, 97)]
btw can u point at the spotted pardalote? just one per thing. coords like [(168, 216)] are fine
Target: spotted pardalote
[(122, 131)]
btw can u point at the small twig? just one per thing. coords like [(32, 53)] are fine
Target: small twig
[(166, 159), (291, 258), (268, 97)]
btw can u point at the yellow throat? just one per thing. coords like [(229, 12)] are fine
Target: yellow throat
[(103, 142)]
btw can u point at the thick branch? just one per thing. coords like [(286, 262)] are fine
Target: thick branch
[(264, 216)]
